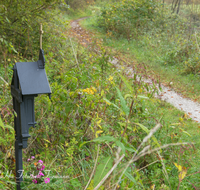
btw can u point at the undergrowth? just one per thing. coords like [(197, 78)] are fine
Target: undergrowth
[(168, 43), (99, 120)]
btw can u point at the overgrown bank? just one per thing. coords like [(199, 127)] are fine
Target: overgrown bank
[(95, 111), (166, 42)]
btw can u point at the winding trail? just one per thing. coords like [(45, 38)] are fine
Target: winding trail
[(191, 108)]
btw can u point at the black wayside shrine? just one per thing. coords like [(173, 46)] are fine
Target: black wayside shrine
[(29, 80)]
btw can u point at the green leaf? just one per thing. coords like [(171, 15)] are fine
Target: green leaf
[(130, 149), (2, 140), (105, 138), (2, 124), (7, 19), (130, 177), (100, 139), (143, 97), (123, 125), (128, 95), (75, 183), (127, 83), (121, 145), (83, 143), (185, 132), (9, 127), (123, 102), (103, 167), (147, 131), (14, 50), (110, 103)]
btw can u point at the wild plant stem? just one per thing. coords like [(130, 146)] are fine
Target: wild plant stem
[(108, 174), (179, 185), (93, 169)]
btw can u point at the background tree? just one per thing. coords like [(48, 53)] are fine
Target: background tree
[(19, 23)]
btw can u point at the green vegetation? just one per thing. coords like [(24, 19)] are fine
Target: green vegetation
[(97, 119), (126, 18), (168, 43), (78, 8)]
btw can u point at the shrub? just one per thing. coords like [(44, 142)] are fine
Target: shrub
[(126, 18)]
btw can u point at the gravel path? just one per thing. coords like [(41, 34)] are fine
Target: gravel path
[(191, 108)]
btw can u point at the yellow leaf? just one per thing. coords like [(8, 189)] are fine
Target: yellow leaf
[(66, 144), (8, 155), (152, 186), (182, 170), (102, 92), (94, 89), (98, 122), (180, 119), (178, 166), (47, 141), (98, 132), (185, 115), (110, 78), (140, 90), (182, 174), (91, 186), (91, 92), (92, 129), (108, 103)]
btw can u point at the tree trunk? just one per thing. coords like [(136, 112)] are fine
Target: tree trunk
[(178, 8)]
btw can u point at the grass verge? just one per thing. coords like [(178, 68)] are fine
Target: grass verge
[(96, 116), (151, 52)]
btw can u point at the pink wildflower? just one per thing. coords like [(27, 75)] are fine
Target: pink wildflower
[(42, 168), (34, 181), (32, 176), (41, 174), (38, 176), (32, 157), (40, 161), (46, 180)]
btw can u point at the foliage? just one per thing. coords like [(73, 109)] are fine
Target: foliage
[(19, 25), (168, 47), (172, 36), (126, 18), (78, 4), (36, 173), (78, 8), (96, 116)]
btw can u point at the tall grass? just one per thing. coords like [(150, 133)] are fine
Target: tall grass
[(99, 119), (168, 43)]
